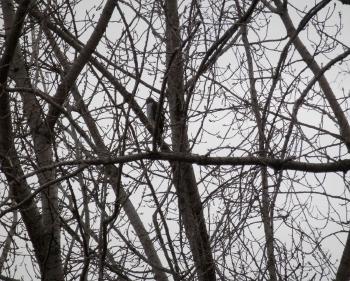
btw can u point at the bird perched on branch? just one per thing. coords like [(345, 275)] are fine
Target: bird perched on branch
[(152, 107)]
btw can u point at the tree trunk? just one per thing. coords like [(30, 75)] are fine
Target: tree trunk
[(189, 201)]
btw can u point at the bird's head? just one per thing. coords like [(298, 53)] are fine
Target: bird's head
[(149, 100)]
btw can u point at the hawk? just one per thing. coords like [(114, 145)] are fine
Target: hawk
[(152, 107)]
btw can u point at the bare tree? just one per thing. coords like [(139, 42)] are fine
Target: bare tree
[(247, 180)]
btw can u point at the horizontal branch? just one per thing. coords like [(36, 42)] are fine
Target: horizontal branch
[(277, 164)]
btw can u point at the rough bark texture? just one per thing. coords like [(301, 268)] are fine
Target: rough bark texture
[(190, 205), (49, 255), (47, 240)]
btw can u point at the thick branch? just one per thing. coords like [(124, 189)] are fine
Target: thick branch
[(202, 160), (79, 63), (11, 42)]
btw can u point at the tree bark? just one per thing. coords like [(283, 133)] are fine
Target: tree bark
[(190, 205), (343, 272), (50, 258), (112, 172)]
